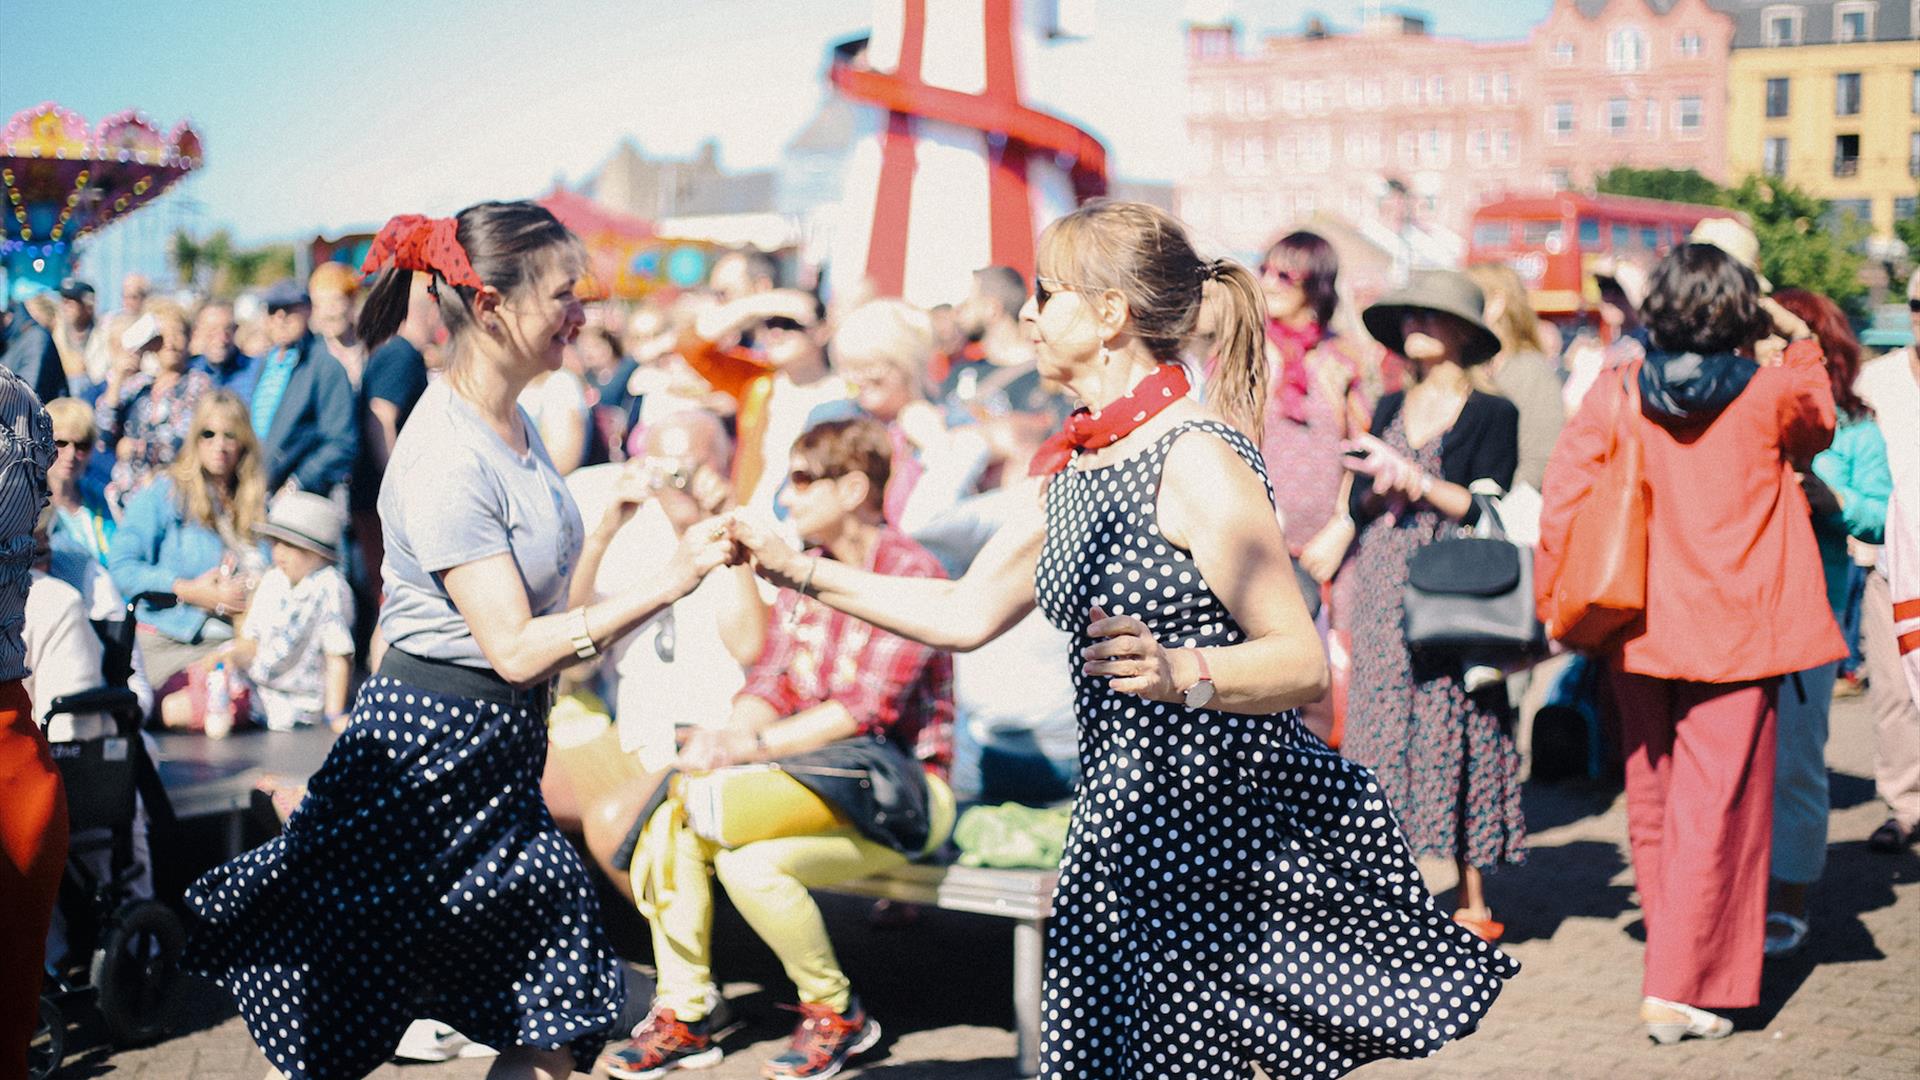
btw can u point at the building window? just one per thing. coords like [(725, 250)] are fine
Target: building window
[(1504, 142), (1407, 146), (1916, 90), (1686, 118), (1256, 100), (1563, 52), (1356, 95), (1846, 155), (1853, 22), (1689, 44), (1782, 25), (1904, 207), (1619, 116), (1479, 146), (1481, 88), (1779, 98), (1773, 158), (1561, 179), (1913, 154), (1846, 94), (1376, 93), (1437, 90), (1627, 50), (1412, 89), (1437, 147), (1290, 95), (1560, 120), (1844, 212), (1256, 155), (1589, 233), (1316, 96), (1503, 88)]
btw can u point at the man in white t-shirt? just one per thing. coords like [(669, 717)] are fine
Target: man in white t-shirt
[(1891, 385), (683, 666)]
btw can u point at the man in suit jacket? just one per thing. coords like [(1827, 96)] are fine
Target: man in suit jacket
[(302, 404)]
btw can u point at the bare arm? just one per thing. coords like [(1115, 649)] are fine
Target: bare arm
[(525, 649), (384, 427), (339, 676), (1212, 505), (959, 616), (756, 734)]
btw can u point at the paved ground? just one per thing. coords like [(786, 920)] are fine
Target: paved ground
[(1850, 1006)]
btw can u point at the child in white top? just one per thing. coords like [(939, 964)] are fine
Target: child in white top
[(296, 646)]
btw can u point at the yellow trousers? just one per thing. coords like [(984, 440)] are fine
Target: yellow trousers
[(768, 882)]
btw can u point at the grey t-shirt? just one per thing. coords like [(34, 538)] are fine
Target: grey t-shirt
[(455, 493)]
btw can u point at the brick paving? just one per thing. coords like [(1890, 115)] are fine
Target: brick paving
[(1849, 1006)]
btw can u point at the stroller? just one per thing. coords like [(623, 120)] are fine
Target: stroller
[(122, 951)]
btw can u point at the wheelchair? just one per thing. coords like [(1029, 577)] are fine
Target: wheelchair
[(122, 952)]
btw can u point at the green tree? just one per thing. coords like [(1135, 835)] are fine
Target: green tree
[(1799, 246), (1908, 230), (1673, 185), (187, 258), (1795, 250)]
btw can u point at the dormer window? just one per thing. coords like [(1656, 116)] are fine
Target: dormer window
[(1781, 24), (1627, 50)]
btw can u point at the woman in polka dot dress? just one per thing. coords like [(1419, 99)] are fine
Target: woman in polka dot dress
[(422, 875), (1233, 892)]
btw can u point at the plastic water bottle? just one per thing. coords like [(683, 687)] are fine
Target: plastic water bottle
[(219, 718)]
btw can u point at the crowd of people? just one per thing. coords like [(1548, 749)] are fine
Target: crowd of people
[(855, 536)]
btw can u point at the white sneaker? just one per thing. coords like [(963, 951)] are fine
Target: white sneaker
[(430, 1040)]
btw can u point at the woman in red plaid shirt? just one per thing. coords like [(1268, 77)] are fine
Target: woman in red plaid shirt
[(823, 677)]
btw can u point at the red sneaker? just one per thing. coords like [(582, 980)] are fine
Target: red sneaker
[(823, 1041), (662, 1043)]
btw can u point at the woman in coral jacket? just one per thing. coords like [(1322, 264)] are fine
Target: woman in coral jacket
[(1734, 602)]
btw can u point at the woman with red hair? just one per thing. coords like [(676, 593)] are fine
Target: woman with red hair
[(1847, 488)]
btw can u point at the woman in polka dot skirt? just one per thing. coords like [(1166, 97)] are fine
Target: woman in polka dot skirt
[(1233, 893), (422, 875)]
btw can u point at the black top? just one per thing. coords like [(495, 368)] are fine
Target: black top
[(1482, 444), (397, 373)]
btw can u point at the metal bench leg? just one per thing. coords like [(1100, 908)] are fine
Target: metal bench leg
[(1029, 949)]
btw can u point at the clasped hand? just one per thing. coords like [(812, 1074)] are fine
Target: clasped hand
[(1393, 473)]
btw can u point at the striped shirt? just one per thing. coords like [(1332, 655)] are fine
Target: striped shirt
[(26, 449)]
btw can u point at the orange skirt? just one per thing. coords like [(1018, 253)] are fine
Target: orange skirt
[(33, 855)]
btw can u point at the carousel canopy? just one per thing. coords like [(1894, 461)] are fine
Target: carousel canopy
[(63, 179)]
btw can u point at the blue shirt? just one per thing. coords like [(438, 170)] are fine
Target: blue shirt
[(240, 374), (154, 547), (275, 373)]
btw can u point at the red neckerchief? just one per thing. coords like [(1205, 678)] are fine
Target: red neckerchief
[(414, 242), (1294, 344), (1086, 430)]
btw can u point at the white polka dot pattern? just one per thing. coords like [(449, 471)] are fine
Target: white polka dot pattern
[(1232, 891), (422, 876)]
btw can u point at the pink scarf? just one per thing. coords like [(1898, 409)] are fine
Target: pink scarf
[(1294, 344)]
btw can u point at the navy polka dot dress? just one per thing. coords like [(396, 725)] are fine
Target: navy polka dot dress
[(1232, 891), (421, 877)]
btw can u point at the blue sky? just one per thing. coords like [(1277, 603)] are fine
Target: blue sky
[(324, 116)]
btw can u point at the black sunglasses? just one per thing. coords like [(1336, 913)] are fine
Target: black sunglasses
[(806, 478), (1913, 305), (77, 446), (781, 322)]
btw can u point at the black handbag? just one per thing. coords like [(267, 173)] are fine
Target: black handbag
[(1473, 595)]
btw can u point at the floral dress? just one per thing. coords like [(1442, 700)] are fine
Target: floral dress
[(1445, 757), (147, 428)]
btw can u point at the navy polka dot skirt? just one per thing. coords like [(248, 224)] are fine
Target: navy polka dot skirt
[(421, 877), (1232, 891)]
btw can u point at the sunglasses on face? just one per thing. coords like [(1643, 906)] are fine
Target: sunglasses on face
[(781, 322), (209, 433), (75, 445), (1913, 305), (801, 479), (1282, 274)]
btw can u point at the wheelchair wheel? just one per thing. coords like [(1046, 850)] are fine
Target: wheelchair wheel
[(49, 1045), (135, 972)]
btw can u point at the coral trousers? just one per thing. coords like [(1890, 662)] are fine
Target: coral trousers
[(33, 857), (1700, 771)]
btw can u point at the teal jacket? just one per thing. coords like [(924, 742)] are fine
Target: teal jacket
[(1855, 467)]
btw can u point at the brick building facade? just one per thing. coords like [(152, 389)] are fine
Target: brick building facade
[(1404, 133)]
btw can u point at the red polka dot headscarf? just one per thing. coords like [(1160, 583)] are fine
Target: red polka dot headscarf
[(417, 242)]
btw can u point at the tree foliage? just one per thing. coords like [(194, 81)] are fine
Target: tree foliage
[(225, 270), (1800, 245)]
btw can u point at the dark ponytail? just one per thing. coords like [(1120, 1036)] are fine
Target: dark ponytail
[(508, 245)]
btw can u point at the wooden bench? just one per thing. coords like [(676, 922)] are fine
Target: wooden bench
[(1025, 896)]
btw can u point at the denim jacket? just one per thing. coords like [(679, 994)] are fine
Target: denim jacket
[(154, 547)]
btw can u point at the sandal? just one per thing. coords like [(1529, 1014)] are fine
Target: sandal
[(1485, 929), (1699, 1023), (1785, 935)]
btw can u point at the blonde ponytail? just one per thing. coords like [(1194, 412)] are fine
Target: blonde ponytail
[(1235, 307)]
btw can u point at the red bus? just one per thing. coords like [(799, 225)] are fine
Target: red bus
[(1553, 240)]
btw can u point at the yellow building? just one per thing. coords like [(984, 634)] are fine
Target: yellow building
[(1827, 95)]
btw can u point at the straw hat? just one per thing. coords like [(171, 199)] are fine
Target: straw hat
[(1449, 292), (1735, 239)]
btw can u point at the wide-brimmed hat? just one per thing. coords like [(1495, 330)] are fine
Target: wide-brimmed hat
[(1449, 292), (305, 520), (1735, 239)]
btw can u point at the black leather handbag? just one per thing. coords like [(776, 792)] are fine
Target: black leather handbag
[(1473, 595)]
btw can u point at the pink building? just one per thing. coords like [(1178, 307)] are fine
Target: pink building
[(1403, 134)]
